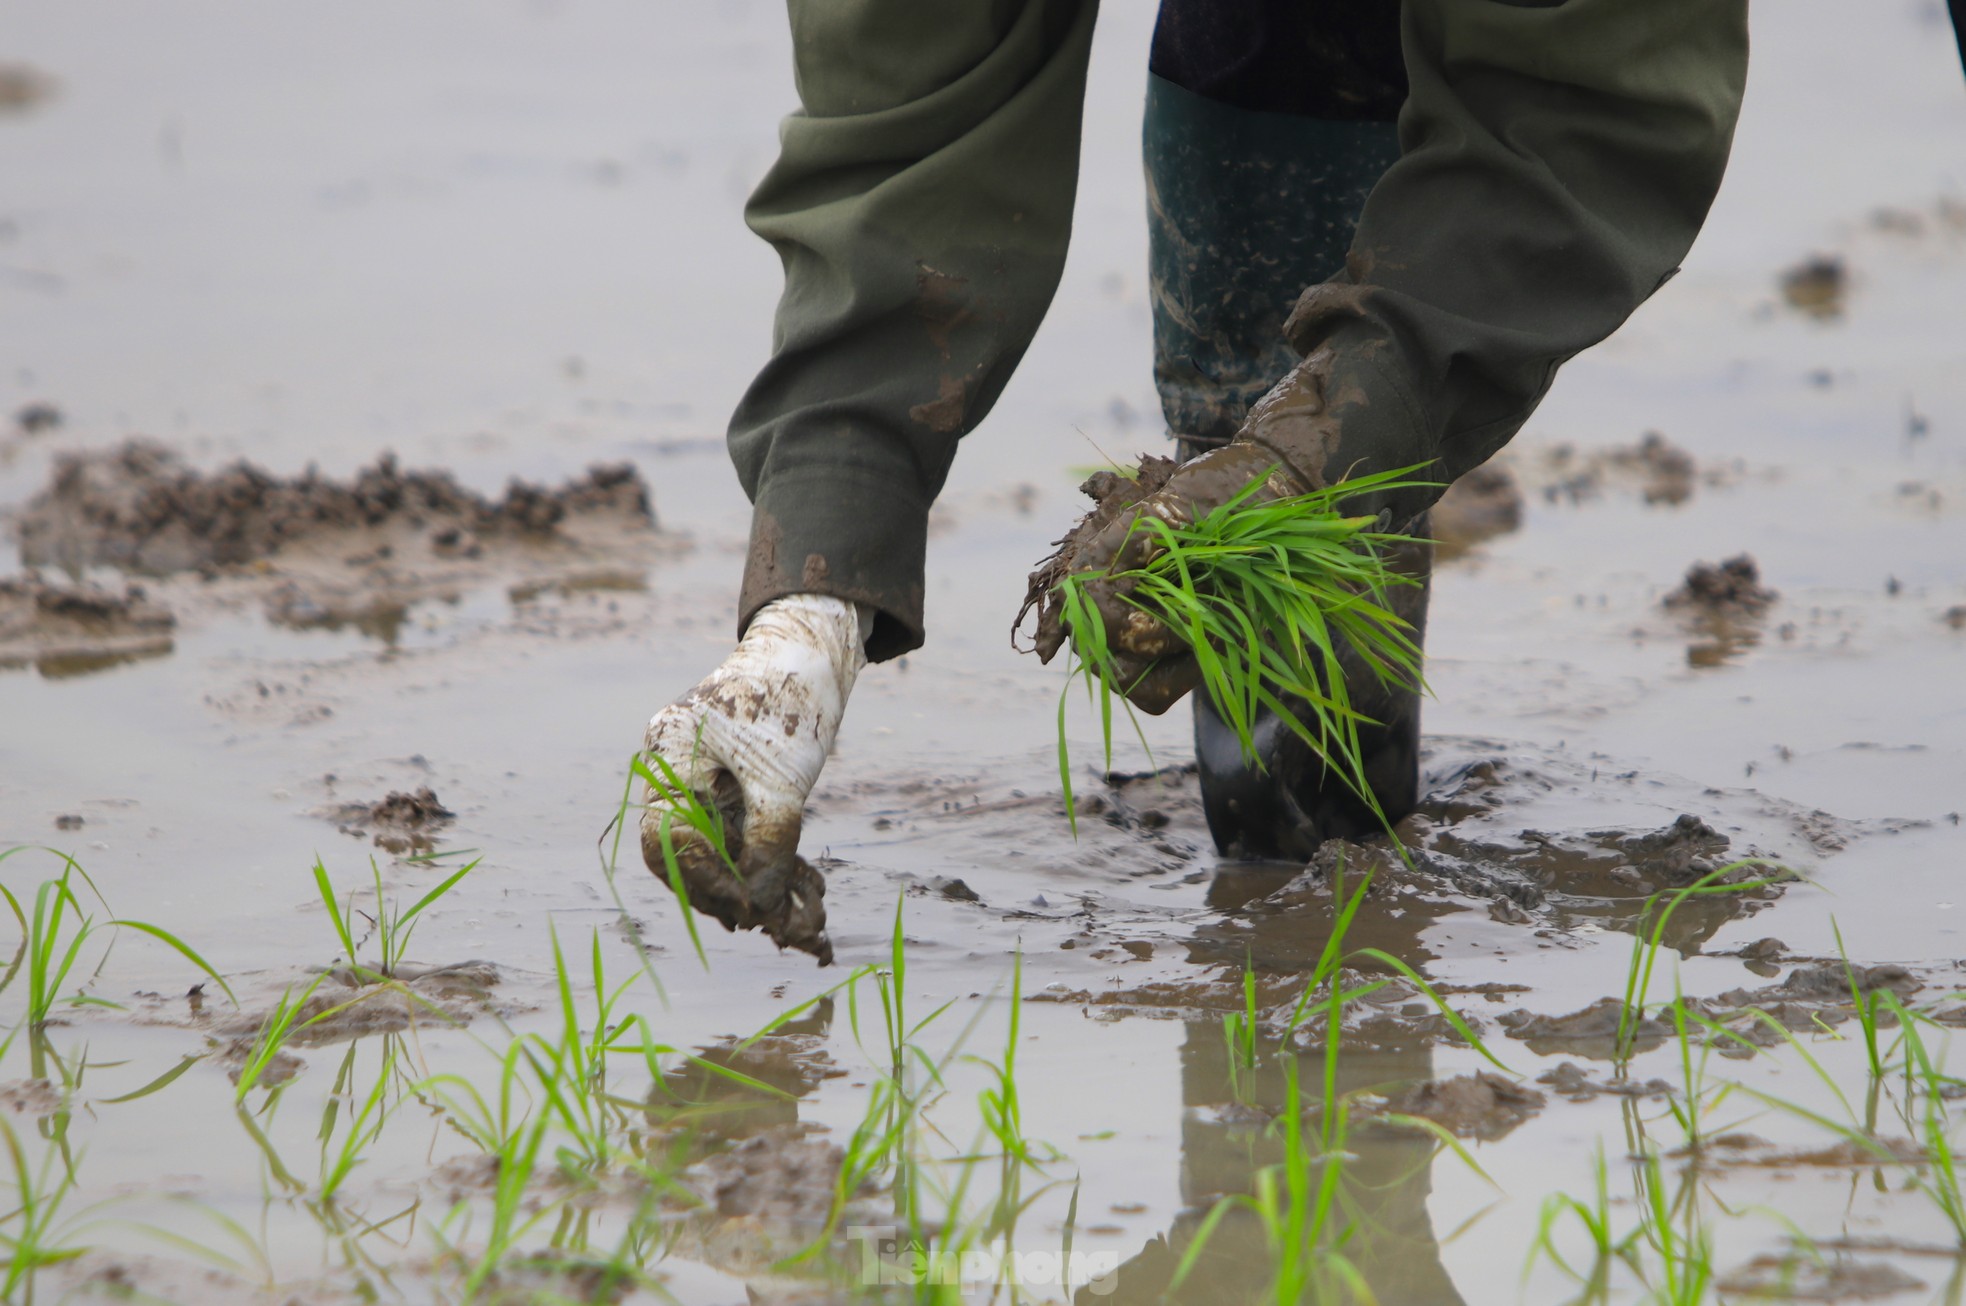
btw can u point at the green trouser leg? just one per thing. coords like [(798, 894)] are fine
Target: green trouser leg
[(1556, 160), (1245, 209)]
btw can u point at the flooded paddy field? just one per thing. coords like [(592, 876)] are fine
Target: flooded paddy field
[(1661, 1009)]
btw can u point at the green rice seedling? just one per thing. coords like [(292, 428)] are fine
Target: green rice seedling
[(1301, 1202), (1329, 966), (509, 1221), (364, 1126), (1679, 1269), (32, 1234), (1594, 1215), (678, 802), (571, 1069), (272, 1035), (1854, 1129), (1658, 911), (1940, 1176), (891, 982), (492, 1124), (1000, 1105), (1267, 594), (393, 925), (253, 1262), (1698, 1096), (54, 935), (1239, 1033), (1297, 1203)]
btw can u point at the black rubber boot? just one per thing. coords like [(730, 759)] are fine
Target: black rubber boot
[(1246, 208), (1282, 808)]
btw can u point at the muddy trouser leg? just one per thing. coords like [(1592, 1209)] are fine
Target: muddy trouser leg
[(1245, 209)]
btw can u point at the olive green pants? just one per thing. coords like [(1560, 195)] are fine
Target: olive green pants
[(1555, 162)]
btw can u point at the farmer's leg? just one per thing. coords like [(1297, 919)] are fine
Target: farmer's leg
[(1264, 134)]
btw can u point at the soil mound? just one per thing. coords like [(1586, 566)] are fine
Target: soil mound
[(1732, 588), (1481, 1106), (138, 506), (399, 821)]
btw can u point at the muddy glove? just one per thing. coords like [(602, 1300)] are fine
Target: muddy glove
[(749, 742), (1293, 441)]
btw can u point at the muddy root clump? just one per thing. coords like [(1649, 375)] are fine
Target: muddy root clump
[(1112, 494), (789, 906)]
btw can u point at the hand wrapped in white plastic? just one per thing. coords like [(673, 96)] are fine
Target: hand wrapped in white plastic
[(748, 743)]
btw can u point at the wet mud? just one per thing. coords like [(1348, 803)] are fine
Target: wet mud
[(138, 506), (1658, 471), (1722, 604), (400, 822), (355, 1003), (314, 552), (1482, 1106), (1112, 493), (1772, 1277), (23, 87), (67, 630), (1817, 286)]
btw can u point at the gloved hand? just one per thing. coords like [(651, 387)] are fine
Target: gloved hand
[(749, 741), (1292, 441)]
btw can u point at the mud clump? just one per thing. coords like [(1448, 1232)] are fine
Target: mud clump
[(35, 1098), (65, 630), (22, 87), (790, 909), (1723, 603), (1817, 286), (1591, 1032), (1798, 1277), (1571, 1082), (1479, 506), (355, 1002), (1481, 1106), (1662, 472), (36, 418), (411, 811), (399, 821), (139, 507), (779, 1175), (1732, 587)]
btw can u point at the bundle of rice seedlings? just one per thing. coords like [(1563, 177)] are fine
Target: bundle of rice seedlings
[(1266, 593)]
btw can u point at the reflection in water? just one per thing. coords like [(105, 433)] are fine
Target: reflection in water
[(1384, 1228)]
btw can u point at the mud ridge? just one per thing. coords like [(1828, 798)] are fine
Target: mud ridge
[(69, 629), (140, 507)]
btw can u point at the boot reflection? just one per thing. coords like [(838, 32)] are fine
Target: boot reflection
[(1381, 1225)]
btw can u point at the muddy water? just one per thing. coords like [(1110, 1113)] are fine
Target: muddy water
[(301, 239)]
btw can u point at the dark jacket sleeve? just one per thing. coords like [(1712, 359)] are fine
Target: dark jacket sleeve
[(1557, 160), (921, 204)]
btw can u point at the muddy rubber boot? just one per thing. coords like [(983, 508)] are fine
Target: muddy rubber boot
[(1245, 209)]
